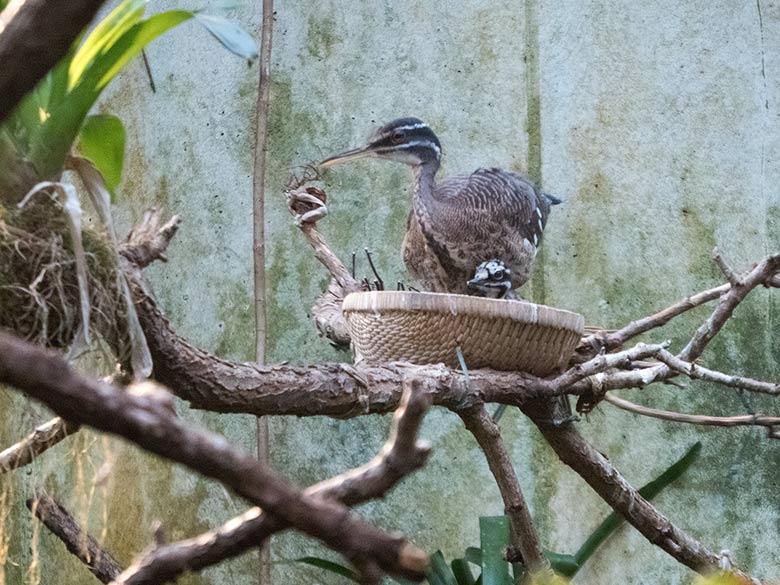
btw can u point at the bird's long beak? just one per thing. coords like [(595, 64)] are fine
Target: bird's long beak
[(353, 154)]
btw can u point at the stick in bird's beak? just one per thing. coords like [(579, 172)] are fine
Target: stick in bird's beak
[(353, 154)]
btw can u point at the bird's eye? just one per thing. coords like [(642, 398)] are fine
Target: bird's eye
[(499, 275), (397, 136)]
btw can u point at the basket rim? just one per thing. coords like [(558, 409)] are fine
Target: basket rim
[(386, 300)]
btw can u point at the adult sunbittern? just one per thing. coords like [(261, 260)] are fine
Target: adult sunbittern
[(465, 220)]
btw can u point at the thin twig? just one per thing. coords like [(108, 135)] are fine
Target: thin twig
[(745, 420), (605, 362), (733, 278), (701, 373), (645, 324), (758, 276)]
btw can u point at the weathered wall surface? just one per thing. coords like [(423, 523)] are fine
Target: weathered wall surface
[(656, 122)]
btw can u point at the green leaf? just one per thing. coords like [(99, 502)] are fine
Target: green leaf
[(568, 565), (130, 45), (234, 38), (102, 142), (330, 566), (562, 564), (462, 571), (104, 35), (55, 137), (494, 539), (439, 572), (473, 555)]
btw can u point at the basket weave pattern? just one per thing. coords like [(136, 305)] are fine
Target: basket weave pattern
[(425, 328)]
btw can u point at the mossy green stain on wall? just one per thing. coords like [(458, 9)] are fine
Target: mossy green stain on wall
[(321, 37)]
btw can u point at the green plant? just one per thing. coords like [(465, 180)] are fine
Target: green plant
[(489, 559), (36, 143), (38, 136)]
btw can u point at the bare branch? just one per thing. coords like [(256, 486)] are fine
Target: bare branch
[(700, 373), (746, 420), (42, 438), (621, 336), (400, 456), (322, 250), (608, 483), (762, 274), (733, 278), (34, 36), (149, 422), (598, 364), (488, 435), (99, 561)]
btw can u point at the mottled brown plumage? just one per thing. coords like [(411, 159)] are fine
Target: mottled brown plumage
[(465, 220)]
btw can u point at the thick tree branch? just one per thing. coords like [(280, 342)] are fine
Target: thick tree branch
[(147, 420), (488, 435), (42, 438), (610, 485), (34, 36), (99, 561), (401, 455), (339, 390)]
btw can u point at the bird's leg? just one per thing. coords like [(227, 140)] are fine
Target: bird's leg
[(305, 207)]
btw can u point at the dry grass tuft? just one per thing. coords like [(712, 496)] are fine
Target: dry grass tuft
[(39, 293)]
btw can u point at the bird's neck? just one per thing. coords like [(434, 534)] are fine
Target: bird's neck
[(424, 188)]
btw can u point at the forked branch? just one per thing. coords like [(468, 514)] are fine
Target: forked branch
[(401, 455), (147, 419)]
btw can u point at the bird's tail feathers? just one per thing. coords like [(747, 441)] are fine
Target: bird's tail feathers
[(552, 199)]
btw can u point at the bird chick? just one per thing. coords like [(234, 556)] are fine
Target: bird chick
[(492, 280)]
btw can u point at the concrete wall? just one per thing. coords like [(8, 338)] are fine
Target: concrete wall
[(657, 122)]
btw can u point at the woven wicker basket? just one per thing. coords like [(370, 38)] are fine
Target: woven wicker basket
[(425, 328)]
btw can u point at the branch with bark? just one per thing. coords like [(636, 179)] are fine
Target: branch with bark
[(402, 454), (145, 416), (58, 520), (40, 440), (345, 391)]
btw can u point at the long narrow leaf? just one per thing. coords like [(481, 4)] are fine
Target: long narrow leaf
[(462, 571), (102, 142), (494, 539), (569, 565), (439, 572), (648, 491), (130, 45), (330, 566), (140, 356), (234, 38), (111, 28), (55, 137)]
